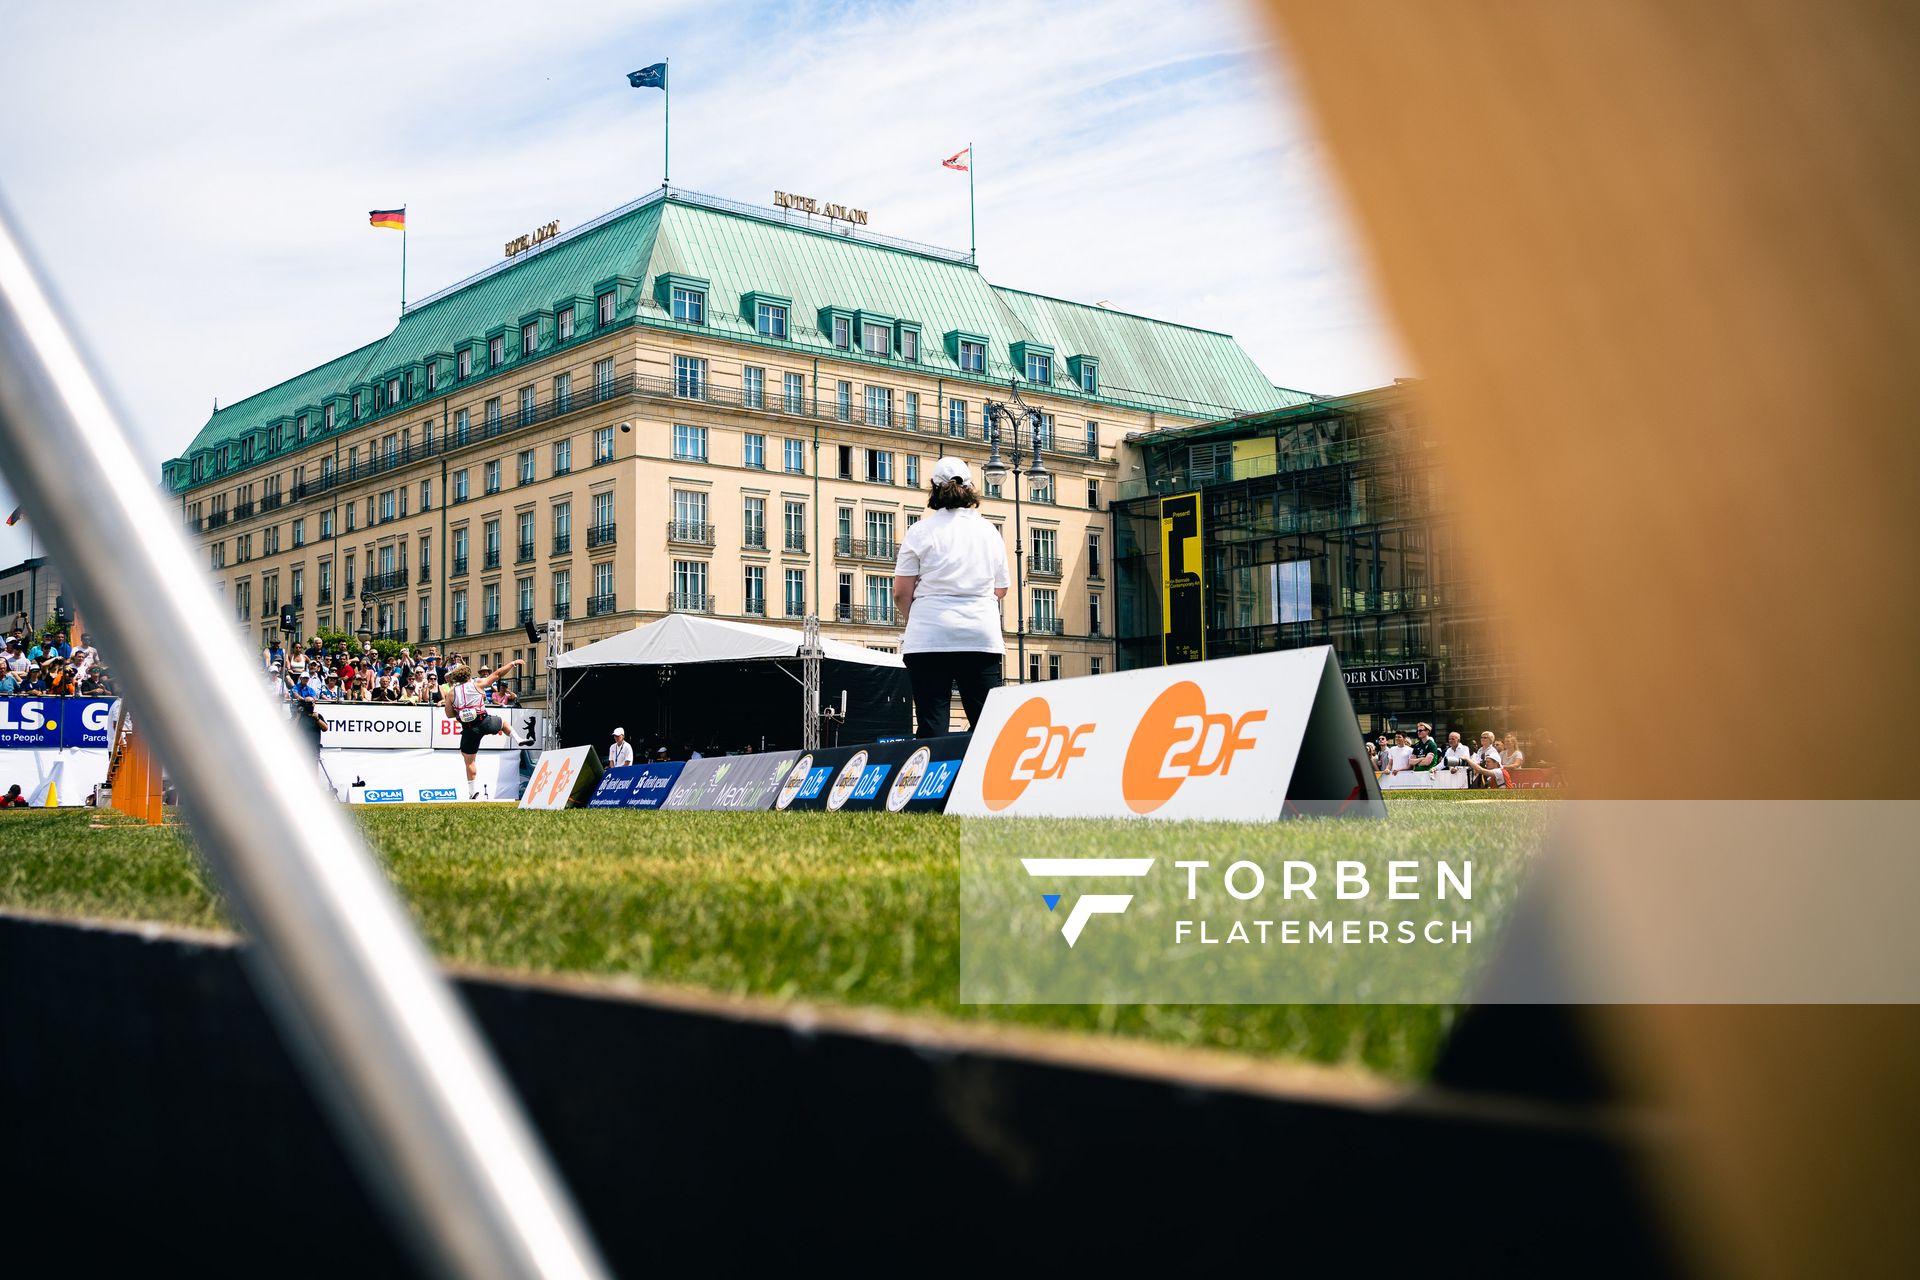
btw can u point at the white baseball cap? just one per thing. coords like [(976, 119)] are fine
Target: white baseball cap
[(952, 469), (619, 733)]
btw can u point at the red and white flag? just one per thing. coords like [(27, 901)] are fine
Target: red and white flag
[(959, 159)]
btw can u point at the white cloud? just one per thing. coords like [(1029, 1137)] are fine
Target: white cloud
[(196, 177)]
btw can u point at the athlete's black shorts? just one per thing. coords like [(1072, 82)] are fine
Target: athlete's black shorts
[(476, 729)]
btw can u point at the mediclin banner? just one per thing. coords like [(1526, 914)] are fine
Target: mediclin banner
[(736, 783), (54, 724), (1266, 736), (636, 786), (915, 775)]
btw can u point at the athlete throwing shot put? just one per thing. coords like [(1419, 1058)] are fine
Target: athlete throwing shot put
[(466, 701)]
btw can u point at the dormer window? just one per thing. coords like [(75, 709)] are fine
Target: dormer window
[(433, 377), (462, 365), (605, 305), (496, 352), (326, 418), (909, 344), (563, 325), (689, 305), (1039, 368), (770, 319), (393, 391), (529, 337), (356, 406), (1090, 378), (876, 339), (973, 357), (843, 332), (300, 428)]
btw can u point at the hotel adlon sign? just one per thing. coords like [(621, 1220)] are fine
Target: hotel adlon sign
[(807, 204)]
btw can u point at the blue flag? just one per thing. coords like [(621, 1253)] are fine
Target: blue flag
[(653, 77)]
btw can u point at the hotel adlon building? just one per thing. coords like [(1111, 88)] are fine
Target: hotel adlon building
[(687, 404)]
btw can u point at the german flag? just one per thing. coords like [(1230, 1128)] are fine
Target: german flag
[(391, 219)]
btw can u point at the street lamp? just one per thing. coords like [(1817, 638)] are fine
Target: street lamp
[(1003, 425), (368, 609)]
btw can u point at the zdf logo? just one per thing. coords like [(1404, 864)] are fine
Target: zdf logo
[(1030, 748), (1177, 739)]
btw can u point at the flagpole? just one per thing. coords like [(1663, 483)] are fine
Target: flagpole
[(973, 234), (666, 141), (403, 259)]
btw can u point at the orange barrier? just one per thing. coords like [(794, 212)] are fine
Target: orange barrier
[(135, 780), (1533, 778)]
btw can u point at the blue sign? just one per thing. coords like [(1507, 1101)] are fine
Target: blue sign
[(817, 779), (636, 786), (938, 780), (868, 787), (51, 724), (439, 793), (383, 795)]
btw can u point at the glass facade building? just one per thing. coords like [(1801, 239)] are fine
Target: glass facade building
[(1324, 523)]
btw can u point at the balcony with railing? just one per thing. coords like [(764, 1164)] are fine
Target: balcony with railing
[(1046, 626), (754, 540), (491, 622), (381, 583), (296, 603), (491, 560), (688, 602), (525, 554), (525, 616), (349, 591), (690, 532), (1040, 566), (459, 626), (863, 549), (326, 596), (755, 607), (459, 566), (563, 609), (426, 575), (796, 542), (600, 535), (867, 615), (562, 543), (599, 605)]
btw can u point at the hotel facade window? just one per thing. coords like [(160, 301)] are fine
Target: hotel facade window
[(842, 332), (526, 466), (795, 392), (879, 407), (529, 338), (562, 392), (690, 377), (496, 352), (794, 456), (753, 387), (462, 366), (876, 339), (689, 305), (754, 591), (794, 526), (770, 319), (689, 443), (604, 307), (1039, 368), (973, 357), (957, 418), (562, 457), (753, 450), (843, 401), (796, 581), (563, 324), (909, 345), (602, 445), (753, 523), (603, 378)]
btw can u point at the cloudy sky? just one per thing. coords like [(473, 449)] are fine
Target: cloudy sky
[(195, 178)]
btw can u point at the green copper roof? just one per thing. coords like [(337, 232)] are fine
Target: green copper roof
[(741, 250)]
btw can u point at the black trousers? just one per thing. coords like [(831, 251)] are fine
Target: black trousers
[(933, 676)]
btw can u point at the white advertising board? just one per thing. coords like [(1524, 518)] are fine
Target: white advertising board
[(81, 769), (563, 778), (1259, 737), (362, 725), (524, 730), (416, 777), (1425, 780)]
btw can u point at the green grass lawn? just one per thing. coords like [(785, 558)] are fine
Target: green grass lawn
[(857, 909)]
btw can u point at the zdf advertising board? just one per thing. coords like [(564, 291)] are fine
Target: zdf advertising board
[(1264, 736)]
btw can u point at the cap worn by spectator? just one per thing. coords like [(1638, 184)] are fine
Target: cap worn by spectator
[(952, 469)]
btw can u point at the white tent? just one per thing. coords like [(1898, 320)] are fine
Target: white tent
[(706, 683), (681, 638)]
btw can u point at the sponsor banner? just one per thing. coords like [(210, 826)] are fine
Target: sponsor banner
[(55, 724), (563, 779), (419, 776), (906, 775), (1425, 780), (1253, 738), (524, 732), (376, 725), (636, 786), (737, 783), (1183, 610)]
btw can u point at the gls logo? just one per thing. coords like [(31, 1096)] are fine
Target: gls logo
[(1087, 905), (1179, 739), (1030, 748)]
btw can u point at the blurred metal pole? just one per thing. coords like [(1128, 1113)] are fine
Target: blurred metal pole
[(333, 954)]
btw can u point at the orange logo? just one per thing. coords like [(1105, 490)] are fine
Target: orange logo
[(1030, 748), (559, 794), (539, 780), (1177, 739)]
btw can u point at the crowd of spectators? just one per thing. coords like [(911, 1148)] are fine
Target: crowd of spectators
[(358, 672), (1486, 761), (49, 665)]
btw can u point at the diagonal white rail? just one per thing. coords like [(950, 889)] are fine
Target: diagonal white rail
[(333, 953)]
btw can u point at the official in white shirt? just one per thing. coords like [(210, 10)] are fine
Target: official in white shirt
[(621, 752), (948, 581)]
